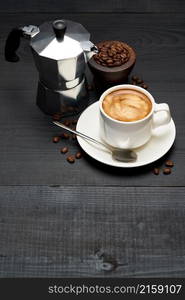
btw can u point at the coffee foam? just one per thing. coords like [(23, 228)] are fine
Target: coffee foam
[(127, 105)]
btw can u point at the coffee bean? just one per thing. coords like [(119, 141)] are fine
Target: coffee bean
[(117, 63), (169, 163), (78, 155), (74, 136), (65, 135), (109, 61), (90, 87), (56, 117), (123, 55), (119, 49), (71, 159), (123, 60), (67, 122), (71, 109), (64, 150), (167, 171), (134, 78), (110, 65), (56, 139), (109, 51), (145, 86), (156, 171), (116, 59), (139, 81), (104, 56), (74, 122)]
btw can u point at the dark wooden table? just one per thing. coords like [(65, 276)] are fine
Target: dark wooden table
[(88, 219)]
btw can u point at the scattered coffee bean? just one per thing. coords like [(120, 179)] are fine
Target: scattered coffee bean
[(156, 171), (67, 122), (139, 81), (145, 86), (74, 136), (70, 159), (169, 163), (90, 87), (134, 78), (167, 171), (71, 108), (56, 139), (64, 150), (56, 117), (78, 155), (65, 135)]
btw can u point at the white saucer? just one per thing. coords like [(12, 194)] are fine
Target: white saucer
[(88, 124)]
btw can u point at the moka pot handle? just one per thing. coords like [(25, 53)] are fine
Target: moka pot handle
[(14, 38), (12, 44)]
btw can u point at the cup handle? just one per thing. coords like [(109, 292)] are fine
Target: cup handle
[(159, 120)]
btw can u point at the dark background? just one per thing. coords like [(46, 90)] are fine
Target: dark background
[(101, 6), (87, 219)]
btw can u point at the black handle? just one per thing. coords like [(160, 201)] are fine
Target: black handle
[(12, 44), (59, 28)]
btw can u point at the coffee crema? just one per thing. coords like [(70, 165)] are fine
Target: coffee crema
[(127, 105)]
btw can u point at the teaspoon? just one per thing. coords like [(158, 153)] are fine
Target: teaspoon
[(124, 155)]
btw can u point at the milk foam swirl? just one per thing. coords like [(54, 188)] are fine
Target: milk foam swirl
[(127, 105)]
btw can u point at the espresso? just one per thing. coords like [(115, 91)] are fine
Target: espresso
[(127, 105)]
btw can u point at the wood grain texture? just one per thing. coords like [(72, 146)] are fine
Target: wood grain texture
[(81, 231), (158, 39), (92, 6), (29, 156), (86, 219)]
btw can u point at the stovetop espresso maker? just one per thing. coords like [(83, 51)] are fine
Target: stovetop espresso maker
[(61, 50)]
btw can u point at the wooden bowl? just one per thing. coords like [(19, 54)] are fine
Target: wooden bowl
[(109, 76)]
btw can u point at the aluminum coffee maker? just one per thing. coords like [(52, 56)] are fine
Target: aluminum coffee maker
[(61, 50)]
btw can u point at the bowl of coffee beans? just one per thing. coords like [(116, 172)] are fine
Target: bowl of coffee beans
[(113, 63)]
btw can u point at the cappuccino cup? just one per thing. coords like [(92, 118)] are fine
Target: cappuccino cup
[(129, 116)]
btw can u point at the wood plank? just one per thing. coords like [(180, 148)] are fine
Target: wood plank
[(27, 154), (158, 40), (81, 231), (92, 6)]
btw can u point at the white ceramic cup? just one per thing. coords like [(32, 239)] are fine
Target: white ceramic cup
[(129, 135)]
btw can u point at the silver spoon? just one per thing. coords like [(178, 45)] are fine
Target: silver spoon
[(124, 155)]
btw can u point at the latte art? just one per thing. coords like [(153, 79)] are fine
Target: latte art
[(127, 105)]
